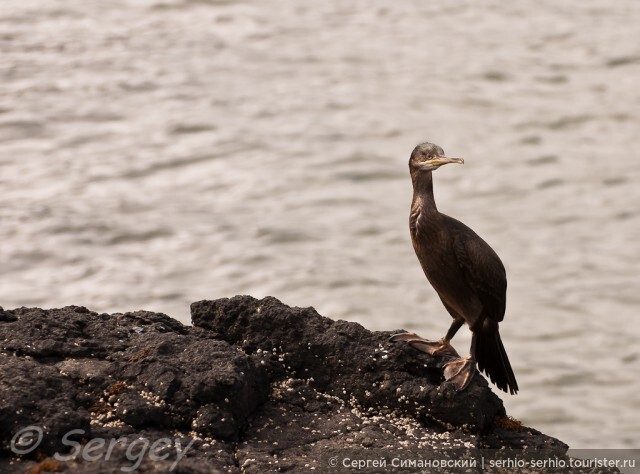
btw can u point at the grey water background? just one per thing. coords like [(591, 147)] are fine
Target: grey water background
[(159, 152)]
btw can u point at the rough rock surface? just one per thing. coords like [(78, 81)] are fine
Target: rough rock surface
[(253, 386)]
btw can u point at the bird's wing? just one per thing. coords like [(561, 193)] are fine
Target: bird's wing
[(482, 269)]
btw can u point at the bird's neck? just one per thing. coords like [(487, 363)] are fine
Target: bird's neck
[(423, 192)]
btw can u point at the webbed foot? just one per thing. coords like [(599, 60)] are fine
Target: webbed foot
[(440, 348), (460, 372)]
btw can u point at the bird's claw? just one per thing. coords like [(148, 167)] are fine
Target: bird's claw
[(403, 336)]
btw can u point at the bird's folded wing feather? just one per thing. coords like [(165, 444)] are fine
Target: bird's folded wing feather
[(483, 271)]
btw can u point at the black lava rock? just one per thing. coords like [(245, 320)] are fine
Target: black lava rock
[(253, 386)]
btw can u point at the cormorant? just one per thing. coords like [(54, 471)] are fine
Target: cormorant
[(467, 275)]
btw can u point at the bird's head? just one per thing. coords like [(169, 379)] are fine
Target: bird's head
[(429, 157)]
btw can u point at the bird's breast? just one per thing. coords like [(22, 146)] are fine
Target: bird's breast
[(424, 228)]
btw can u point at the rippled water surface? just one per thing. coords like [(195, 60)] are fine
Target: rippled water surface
[(158, 152)]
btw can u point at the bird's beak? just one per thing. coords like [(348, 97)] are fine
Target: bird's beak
[(442, 160)]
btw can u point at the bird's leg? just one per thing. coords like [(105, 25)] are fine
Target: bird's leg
[(455, 325), (460, 372), (441, 347)]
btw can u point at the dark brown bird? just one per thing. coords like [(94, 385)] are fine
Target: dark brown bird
[(467, 275)]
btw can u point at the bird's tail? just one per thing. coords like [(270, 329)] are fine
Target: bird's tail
[(493, 361)]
